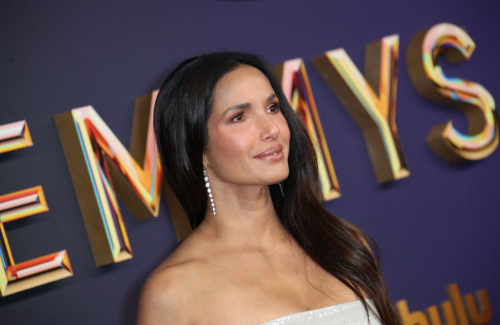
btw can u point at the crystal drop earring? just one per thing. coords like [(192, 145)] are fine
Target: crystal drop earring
[(209, 190), (281, 188)]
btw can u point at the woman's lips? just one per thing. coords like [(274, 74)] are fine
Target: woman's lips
[(272, 154)]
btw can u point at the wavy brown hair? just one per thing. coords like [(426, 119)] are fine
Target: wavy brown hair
[(182, 109)]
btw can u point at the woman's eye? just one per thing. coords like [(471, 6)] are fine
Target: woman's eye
[(237, 118), (274, 108)]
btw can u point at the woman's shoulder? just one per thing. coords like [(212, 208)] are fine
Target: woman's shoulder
[(171, 289)]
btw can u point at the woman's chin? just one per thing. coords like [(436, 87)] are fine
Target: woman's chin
[(276, 178)]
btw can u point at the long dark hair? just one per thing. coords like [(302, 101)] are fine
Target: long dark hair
[(182, 108)]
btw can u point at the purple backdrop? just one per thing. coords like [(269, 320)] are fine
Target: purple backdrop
[(436, 227)]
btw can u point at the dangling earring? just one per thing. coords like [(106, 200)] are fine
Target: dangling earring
[(210, 196), (281, 188)]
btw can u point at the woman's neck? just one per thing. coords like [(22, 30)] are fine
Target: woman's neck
[(245, 216)]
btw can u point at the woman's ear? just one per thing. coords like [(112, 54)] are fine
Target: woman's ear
[(205, 160)]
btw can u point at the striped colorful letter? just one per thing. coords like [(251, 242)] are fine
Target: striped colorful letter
[(33, 273), (431, 82), (22, 204), (374, 112), (295, 83), (14, 136), (102, 169)]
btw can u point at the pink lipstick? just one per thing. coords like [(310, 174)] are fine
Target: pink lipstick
[(272, 154)]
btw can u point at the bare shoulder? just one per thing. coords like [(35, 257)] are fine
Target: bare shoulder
[(160, 298), (167, 294)]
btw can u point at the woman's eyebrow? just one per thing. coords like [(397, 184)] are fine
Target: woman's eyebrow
[(246, 105), (239, 106), (271, 97)]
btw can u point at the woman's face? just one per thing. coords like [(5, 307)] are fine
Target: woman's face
[(248, 136)]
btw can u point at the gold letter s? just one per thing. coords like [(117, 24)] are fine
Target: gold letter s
[(431, 82)]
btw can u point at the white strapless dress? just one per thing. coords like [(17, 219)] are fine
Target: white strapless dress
[(350, 313)]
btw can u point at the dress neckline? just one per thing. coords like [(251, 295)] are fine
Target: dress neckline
[(301, 313)]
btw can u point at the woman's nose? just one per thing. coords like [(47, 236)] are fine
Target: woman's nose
[(268, 128)]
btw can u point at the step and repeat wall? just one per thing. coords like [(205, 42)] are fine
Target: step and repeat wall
[(399, 98)]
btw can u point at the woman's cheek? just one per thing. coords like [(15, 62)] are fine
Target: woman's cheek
[(231, 145)]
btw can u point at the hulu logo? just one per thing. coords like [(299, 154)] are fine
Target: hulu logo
[(457, 310)]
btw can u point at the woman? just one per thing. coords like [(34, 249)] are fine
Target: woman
[(263, 250)]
